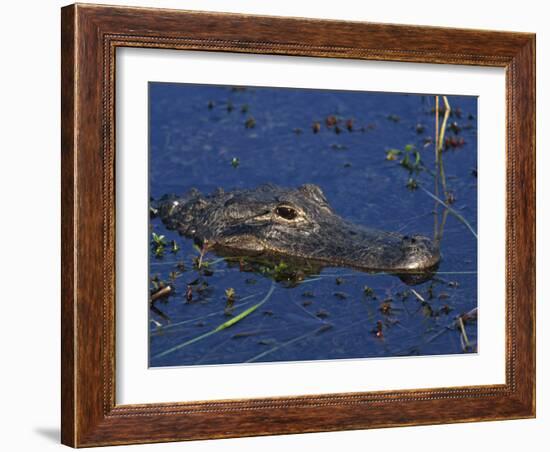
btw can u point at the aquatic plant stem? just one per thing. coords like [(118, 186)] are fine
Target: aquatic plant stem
[(436, 173), (439, 168), (219, 328), (436, 146), (464, 336), (440, 145), (439, 235), (161, 293)]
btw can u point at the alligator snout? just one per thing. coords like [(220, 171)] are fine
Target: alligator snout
[(373, 250), (419, 253)]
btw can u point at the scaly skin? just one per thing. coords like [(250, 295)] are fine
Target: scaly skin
[(294, 222)]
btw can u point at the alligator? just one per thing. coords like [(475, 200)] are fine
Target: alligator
[(298, 223)]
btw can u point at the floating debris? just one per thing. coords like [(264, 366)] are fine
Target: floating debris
[(368, 291), (161, 293), (322, 314), (450, 197), (455, 127), (175, 247), (378, 330), (331, 121), (235, 162), (230, 294), (412, 184), (386, 307), (454, 142), (250, 123), (393, 154)]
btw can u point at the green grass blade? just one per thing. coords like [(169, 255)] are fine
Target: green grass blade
[(221, 327)]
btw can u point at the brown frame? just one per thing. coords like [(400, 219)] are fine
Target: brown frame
[(90, 35)]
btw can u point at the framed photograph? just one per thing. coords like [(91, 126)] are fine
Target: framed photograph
[(281, 225)]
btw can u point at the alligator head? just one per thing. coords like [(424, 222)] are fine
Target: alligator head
[(298, 223)]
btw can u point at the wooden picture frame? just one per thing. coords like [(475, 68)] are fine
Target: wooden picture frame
[(90, 36)]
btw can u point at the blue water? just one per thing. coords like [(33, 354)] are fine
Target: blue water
[(199, 138)]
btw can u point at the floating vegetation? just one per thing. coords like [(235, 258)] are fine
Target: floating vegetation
[(219, 328), (175, 247), (230, 294), (412, 184), (454, 142), (331, 121), (250, 123), (409, 157), (386, 307), (368, 291), (322, 314), (189, 293), (235, 162), (379, 329), (158, 244)]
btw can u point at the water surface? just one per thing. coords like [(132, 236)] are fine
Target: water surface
[(206, 137)]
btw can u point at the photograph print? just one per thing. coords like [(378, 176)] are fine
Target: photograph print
[(291, 225)]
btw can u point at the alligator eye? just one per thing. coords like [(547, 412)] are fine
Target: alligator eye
[(288, 213)]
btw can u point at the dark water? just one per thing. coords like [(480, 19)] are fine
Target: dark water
[(199, 138)]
